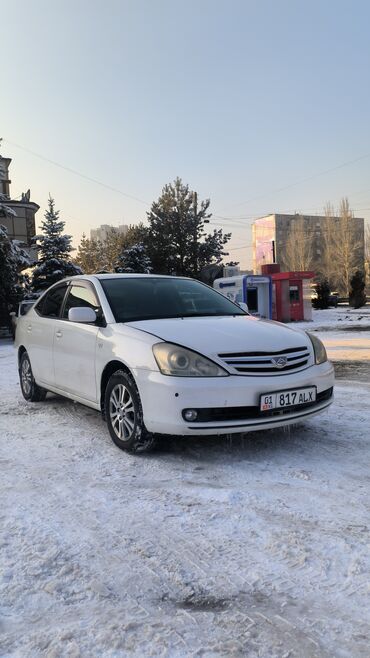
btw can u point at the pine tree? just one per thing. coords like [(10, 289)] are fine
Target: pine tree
[(323, 295), (357, 295), (177, 242), (54, 249), (90, 255), (5, 210), (115, 243), (13, 259), (134, 260)]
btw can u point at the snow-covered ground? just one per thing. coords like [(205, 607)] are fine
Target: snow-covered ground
[(257, 547), (338, 318), (345, 332)]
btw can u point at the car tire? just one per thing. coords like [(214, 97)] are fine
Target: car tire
[(124, 414), (30, 390)]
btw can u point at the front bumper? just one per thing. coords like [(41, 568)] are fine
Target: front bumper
[(164, 398)]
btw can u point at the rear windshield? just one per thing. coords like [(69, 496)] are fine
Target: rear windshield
[(156, 298)]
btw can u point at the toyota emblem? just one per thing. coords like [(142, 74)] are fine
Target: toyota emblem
[(279, 362)]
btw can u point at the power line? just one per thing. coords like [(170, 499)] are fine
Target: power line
[(238, 221), (303, 180), (258, 215), (244, 246), (77, 173)]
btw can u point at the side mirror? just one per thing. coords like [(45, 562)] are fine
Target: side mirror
[(81, 314), (243, 306)]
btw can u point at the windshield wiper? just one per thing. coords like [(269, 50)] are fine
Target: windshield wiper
[(208, 315), (143, 318)]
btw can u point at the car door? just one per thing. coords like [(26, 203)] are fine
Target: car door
[(40, 325), (74, 345)]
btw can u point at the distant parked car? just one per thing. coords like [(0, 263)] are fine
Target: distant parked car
[(334, 299), (168, 355), (23, 308)]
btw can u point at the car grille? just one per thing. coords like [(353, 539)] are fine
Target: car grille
[(267, 363)]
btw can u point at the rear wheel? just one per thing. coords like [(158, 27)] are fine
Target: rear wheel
[(31, 391), (124, 414)]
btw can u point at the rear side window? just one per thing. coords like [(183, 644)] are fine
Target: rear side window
[(50, 305), (80, 296), (24, 307)]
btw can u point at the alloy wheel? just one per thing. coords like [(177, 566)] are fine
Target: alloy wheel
[(26, 375), (122, 412)]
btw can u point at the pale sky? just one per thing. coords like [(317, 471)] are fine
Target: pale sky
[(244, 99)]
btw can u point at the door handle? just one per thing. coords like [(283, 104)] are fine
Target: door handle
[(59, 334), (29, 328)]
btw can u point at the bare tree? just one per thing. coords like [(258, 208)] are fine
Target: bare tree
[(367, 242), (342, 247), (349, 247), (330, 268), (297, 253)]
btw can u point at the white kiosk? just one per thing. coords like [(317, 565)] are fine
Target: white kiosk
[(253, 290)]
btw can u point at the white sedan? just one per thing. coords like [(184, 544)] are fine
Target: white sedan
[(168, 355)]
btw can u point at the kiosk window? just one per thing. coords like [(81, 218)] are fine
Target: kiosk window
[(252, 300), (294, 294)]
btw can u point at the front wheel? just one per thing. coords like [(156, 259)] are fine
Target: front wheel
[(124, 414), (31, 391)]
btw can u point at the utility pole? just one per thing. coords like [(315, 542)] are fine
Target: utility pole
[(195, 234), (273, 251)]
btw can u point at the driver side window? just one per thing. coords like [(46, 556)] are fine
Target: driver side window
[(81, 296)]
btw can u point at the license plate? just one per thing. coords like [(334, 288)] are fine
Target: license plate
[(291, 398)]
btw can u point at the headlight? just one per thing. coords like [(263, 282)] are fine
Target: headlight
[(318, 348), (181, 362)]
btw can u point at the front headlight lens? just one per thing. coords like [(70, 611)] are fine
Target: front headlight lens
[(318, 348), (181, 362)]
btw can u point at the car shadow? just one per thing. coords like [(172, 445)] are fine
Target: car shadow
[(249, 446), (301, 438)]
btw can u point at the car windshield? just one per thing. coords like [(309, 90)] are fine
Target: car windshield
[(154, 298)]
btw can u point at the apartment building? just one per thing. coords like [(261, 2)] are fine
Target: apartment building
[(270, 236), (101, 233)]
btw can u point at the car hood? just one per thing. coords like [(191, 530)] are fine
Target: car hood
[(216, 335)]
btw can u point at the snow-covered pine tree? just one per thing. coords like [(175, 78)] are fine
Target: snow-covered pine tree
[(134, 260), (13, 259), (178, 242), (5, 210), (53, 251)]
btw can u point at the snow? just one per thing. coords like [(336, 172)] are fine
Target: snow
[(337, 319), (344, 331), (256, 546)]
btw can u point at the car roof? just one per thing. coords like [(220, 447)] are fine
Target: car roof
[(114, 275)]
